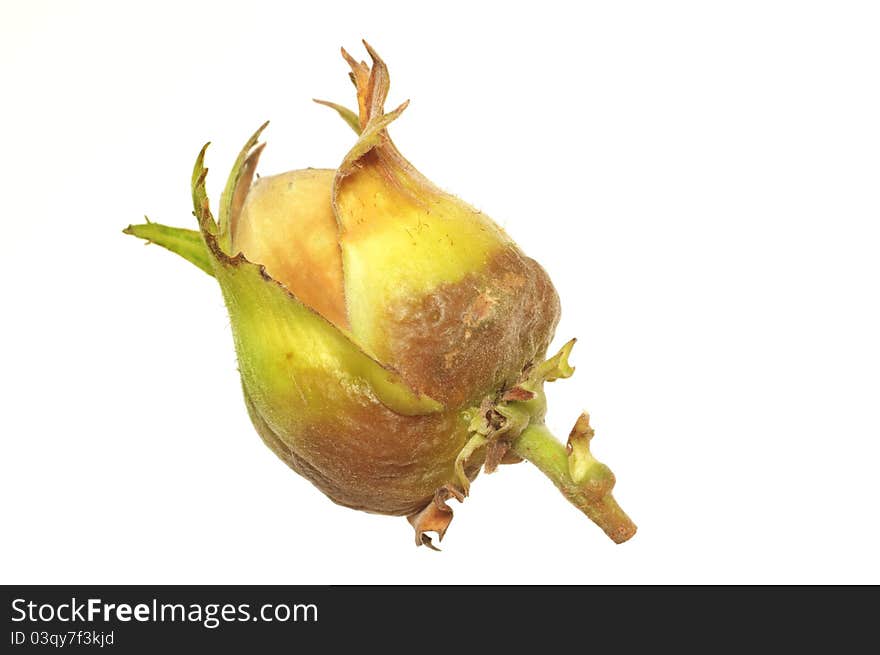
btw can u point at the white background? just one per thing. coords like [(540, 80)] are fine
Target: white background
[(699, 179)]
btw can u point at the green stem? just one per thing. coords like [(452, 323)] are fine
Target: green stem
[(538, 445)]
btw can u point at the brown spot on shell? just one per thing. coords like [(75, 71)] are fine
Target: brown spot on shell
[(370, 458), (480, 310), (475, 336)]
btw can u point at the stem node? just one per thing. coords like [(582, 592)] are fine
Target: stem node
[(591, 493)]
